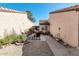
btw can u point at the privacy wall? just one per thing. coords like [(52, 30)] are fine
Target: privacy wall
[(66, 24), (13, 22)]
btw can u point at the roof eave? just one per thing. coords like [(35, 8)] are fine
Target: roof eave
[(62, 11)]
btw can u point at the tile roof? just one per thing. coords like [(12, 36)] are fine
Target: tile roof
[(44, 22), (76, 7)]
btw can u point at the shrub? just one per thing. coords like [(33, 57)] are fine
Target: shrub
[(21, 38), (2, 42), (12, 39)]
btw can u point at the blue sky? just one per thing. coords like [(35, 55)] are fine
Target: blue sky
[(40, 10)]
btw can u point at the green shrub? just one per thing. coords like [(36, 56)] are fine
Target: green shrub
[(12, 39), (21, 38)]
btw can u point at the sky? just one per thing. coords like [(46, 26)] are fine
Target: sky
[(40, 11)]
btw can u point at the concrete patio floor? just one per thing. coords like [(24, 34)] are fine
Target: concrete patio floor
[(60, 50), (36, 48)]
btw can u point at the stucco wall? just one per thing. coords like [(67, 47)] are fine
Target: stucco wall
[(13, 22), (43, 26), (68, 24)]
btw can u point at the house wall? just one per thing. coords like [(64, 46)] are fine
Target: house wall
[(68, 24), (43, 26), (10, 22), (78, 28)]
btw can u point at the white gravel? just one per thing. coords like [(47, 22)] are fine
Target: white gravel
[(11, 50)]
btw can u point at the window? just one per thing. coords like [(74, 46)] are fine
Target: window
[(44, 28)]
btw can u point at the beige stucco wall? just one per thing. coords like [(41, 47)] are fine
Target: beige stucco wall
[(68, 22), (13, 21), (43, 26)]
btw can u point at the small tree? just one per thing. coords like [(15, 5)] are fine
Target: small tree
[(30, 16)]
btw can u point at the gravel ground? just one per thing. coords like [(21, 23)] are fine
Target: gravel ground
[(37, 48), (11, 50)]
